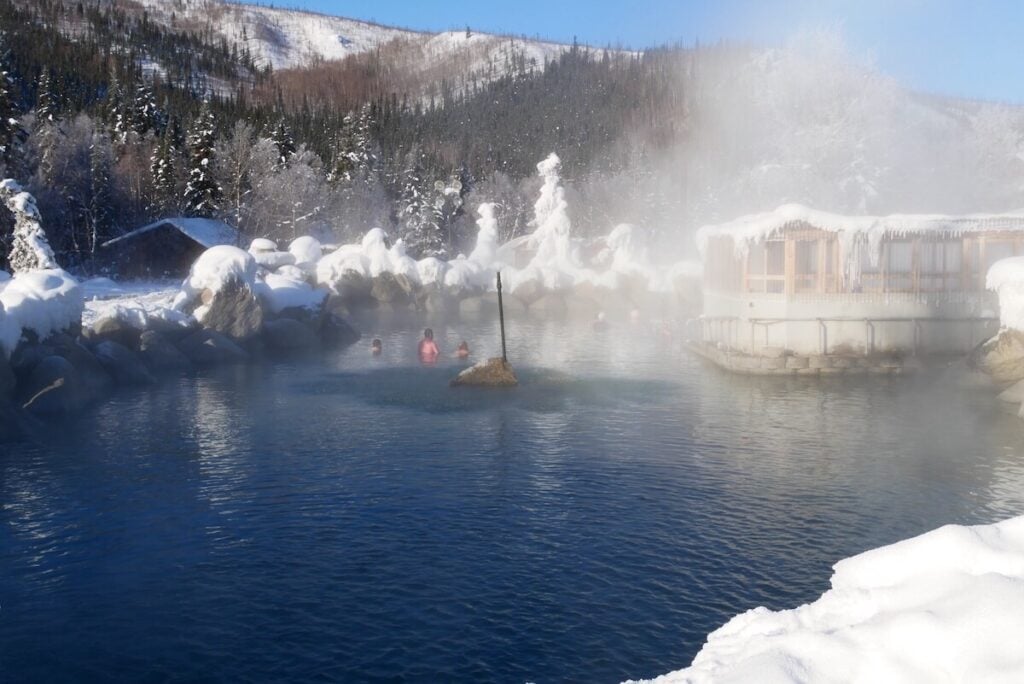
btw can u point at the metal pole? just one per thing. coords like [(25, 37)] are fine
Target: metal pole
[(501, 318)]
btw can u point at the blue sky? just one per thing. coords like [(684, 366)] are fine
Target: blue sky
[(957, 47)]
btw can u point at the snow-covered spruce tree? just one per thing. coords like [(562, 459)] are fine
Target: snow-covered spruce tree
[(99, 215), (203, 192), (9, 127), (343, 155), (164, 171), (30, 249), (47, 105), (285, 143), (145, 114), (116, 108), (416, 211)]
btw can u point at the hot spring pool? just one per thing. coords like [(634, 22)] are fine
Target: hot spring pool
[(353, 518)]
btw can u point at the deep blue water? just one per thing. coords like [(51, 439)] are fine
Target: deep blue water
[(354, 519)]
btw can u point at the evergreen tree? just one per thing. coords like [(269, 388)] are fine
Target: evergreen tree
[(9, 128), (145, 114), (284, 142), (116, 109), (163, 168), (418, 217), (343, 153), (99, 213), (203, 192), (30, 249), (47, 108)]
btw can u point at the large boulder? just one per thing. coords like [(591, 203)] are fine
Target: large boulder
[(355, 290), (496, 372), (15, 423), (209, 348), (113, 328), (387, 289), (529, 291), (54, 387), (233, 311), (435, 301), (483, 305), (7, 379), (551, 305), (122, 363), (160, 355), (1001, 357), (335, 332), (94, 376), (289, 335)]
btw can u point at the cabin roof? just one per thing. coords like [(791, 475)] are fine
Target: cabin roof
[(207, 232), (850, 229)]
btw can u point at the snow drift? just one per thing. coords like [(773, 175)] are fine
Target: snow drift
[(43, 302), (1006, 278), (947, 606)]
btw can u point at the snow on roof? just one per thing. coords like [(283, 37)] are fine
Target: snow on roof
[(852, 229), (207, 232)]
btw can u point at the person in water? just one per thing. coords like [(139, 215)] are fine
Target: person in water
[(428, 350), (463, 350), (376, 347), (600, 325)]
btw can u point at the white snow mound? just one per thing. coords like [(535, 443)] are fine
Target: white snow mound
[(215, 268), (947, 606), (42, 301), (1006, 278)]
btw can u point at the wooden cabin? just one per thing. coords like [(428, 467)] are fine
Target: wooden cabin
[(165, 248), (809, 282)]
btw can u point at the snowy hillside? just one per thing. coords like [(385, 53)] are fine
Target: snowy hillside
[(288, 38)]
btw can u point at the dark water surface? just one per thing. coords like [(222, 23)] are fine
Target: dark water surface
[(354, 519)]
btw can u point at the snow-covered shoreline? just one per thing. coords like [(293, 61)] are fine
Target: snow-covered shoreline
[(946, 606)]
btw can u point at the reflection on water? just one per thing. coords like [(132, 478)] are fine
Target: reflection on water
[(357, 519)]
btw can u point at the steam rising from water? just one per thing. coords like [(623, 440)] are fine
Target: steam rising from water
[(807, 123)]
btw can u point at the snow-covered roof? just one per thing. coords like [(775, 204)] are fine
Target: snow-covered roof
[(850, 229), (207, 232)]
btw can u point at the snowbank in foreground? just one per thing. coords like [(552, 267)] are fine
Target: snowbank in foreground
[(947, 606), (1006, 277)]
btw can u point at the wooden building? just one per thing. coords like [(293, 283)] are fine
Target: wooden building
[(810, 282), (165, 248)]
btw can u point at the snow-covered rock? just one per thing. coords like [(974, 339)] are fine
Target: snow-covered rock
[(1006, 278), (262, 245), (431, 271), (218, 266), (220, 287), (947, 606), (41, 301), (280, 291), (307, 252)]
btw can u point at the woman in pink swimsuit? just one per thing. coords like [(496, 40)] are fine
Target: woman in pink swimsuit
[(428, 350)]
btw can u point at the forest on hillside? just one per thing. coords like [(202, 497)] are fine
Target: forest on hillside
[(113, 121), (107, 143)]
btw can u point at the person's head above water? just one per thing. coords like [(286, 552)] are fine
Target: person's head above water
[(376, 346), (463, 346), (428, 333)]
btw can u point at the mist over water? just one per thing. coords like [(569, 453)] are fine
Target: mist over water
[(809, 122), (356, 518)]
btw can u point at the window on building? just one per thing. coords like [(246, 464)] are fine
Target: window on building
[(807, 268), (899, 266), (766, 267)]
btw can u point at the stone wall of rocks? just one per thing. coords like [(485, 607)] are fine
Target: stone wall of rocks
[(395, 293), (779, 362), (74, 369)]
